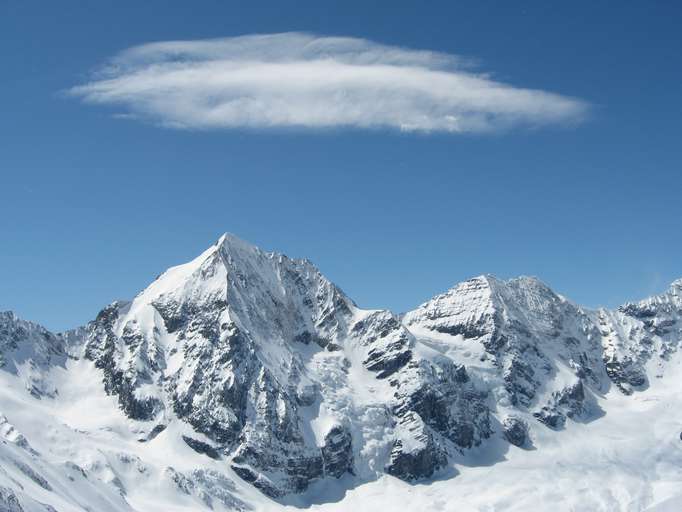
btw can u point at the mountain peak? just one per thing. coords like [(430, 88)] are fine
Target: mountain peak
[(8, 315), (259, 363), (229, 240), (492, 280), (274, 298)]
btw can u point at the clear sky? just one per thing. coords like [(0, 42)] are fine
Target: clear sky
[(96, 199)]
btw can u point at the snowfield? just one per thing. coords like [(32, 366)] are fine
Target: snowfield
[(245, 380)]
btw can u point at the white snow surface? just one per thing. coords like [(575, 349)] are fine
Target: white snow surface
[(66, 445)]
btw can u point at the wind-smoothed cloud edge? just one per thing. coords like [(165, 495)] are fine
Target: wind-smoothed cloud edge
[(308, 81)]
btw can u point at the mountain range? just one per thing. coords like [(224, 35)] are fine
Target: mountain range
[(246, 380)]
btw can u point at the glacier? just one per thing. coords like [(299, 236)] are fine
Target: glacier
[(246, 380)]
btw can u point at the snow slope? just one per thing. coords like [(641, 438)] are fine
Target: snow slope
[(245, 380)]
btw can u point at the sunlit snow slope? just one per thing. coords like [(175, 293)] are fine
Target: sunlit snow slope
[(245, 380)]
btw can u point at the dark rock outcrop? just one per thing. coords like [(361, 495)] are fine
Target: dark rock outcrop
[(337, 452), (445, 399), (387, 342), (626, 374), (416, 455), (201, 447), (570, 402), (515, 431), (9, 502)]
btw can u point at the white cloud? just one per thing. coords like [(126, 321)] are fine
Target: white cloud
[(302, 80)]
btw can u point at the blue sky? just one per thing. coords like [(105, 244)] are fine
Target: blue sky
[(94, 204)]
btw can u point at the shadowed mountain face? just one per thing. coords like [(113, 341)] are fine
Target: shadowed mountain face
[(258, 364)]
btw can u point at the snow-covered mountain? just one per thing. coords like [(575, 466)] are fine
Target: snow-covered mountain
[(245, 380)]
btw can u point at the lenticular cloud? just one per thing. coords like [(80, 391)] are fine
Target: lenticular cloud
[(306, 81)]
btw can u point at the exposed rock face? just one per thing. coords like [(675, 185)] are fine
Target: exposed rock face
[(636, 332), (28, 350), (442, 395), (9, 501), (271, 444), (201, 447), (387, 343), (337, 452), (265, 368), (516, 431), (106, 348), (526, 329), (209, 487), (571, 402), (533, 336), (415, 454)]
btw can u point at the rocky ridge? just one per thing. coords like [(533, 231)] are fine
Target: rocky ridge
[(278, 378)]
